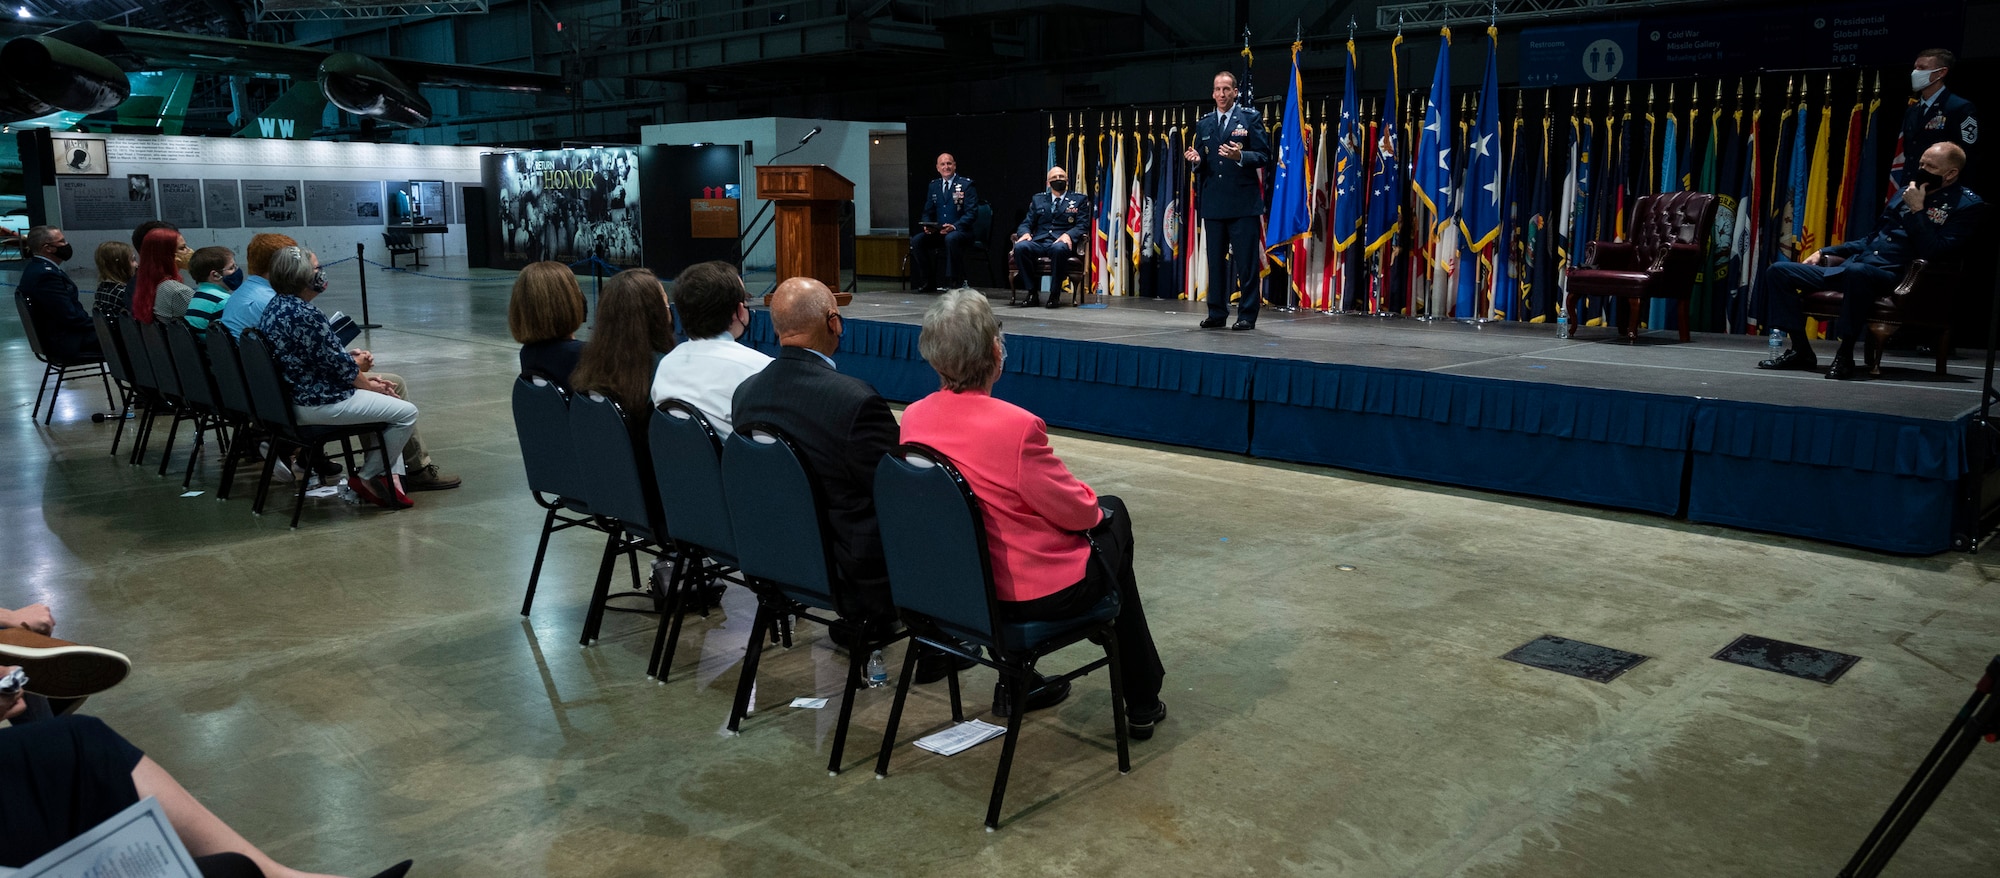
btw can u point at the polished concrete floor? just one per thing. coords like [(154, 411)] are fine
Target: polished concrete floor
[(363, 689)]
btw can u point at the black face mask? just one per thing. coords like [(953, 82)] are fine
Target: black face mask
[(233, 279), (1058, 185), (1931, 182), (318, 284), (64, 252)]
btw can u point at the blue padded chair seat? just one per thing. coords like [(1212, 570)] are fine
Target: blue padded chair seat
[(1027, 636)]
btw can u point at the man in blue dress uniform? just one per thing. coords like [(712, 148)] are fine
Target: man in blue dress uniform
[(1937, 115), (1229, 147), (1057, 221), (949, 206)]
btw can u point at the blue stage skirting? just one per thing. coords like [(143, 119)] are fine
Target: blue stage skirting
[(1882, 482)]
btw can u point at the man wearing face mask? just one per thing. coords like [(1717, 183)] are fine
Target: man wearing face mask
[(705, 371), (67, 333), (1936, 114), (1932, 218), (1053, 228)]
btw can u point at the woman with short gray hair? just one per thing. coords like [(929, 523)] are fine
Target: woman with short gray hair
[(328, 386), (1035, 512)]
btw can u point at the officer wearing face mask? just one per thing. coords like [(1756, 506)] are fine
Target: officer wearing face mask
[(1055, 227), (1936, 114), (1931, 218), (50, 296)]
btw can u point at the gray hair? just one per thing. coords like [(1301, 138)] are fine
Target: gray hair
[(957, 340), (291, 270), (39, 237)]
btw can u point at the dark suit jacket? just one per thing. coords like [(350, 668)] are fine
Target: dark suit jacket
[(941, 206), (65, 327), (843, 427), (1949, 218), (1229, 189), (1051, 216), (1950, 118)]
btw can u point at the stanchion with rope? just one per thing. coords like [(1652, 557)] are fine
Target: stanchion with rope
[(361, 265)]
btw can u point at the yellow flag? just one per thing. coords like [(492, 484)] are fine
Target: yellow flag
[(1814, 234)]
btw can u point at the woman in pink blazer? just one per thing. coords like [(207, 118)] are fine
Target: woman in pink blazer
[(1036, 511)]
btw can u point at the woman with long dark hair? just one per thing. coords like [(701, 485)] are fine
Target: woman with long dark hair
[(632, 333), (157, 291)]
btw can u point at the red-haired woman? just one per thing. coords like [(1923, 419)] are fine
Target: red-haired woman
[(157, 291)]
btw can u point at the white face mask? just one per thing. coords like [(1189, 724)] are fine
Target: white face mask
[(1921, 79)]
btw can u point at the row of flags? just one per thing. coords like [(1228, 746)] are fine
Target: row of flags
[(1437, 207)]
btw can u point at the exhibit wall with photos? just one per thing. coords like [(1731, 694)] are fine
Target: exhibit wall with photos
[(565, 205), (220, 191)]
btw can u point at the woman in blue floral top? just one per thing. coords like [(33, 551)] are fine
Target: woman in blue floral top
[(327, 385)]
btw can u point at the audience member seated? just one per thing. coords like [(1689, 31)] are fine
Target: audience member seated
[(842, 426), (140, 232), (246, 306), (157, 292), (116, 260), (543, 315), (633, 332), (50, 295), (210, 267), (328, 384), (705, 370), (1036, 512), (61, 777)]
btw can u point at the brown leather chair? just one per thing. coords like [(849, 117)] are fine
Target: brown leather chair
[(1072, 268), (1921, 298), (1659, 262)]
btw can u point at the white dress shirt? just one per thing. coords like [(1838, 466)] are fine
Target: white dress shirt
[(704, 373)]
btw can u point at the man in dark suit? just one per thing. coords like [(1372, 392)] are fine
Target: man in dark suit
[(66, 330), (1937, 115), (1932, 218), (1057, 221), (1229, 146), (950, 205), (842, 426)]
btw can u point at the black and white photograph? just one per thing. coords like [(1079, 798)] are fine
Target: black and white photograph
[(80, 157), (567, 204)]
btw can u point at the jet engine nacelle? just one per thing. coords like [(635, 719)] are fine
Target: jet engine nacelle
[(49, 75), (359, 85)]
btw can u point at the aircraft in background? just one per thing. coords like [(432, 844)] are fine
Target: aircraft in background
[(81, 68)]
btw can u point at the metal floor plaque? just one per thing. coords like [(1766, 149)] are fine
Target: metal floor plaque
[(1790, 659), (1601, 664)]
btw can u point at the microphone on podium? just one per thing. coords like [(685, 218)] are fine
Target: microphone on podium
[(809, 135)]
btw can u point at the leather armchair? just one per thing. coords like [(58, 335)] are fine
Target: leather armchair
[(1669, 233), (1072, 268), (1921, 298)]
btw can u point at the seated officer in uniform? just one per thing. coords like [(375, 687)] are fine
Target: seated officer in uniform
[(1931, 219), (949, 206), (1057, 222)]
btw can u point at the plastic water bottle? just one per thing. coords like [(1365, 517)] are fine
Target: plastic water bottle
[(877, 671), (1562, 325), (1777, 343)]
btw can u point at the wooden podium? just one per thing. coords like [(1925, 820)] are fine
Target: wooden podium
[(809, 201)]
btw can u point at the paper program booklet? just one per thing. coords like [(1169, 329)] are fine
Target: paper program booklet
[(137, 843)]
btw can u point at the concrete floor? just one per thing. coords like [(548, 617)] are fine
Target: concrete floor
[(363, 689)]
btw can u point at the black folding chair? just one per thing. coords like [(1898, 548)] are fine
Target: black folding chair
[(618, 480), (199, 392), (687, 468), (145, 378), (935, 540), (58, 367), (120, 367), (555, 479), (232, 396), (168, 375), (271, 400), (783, 550)]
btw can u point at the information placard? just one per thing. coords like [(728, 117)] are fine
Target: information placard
[(272, 203), (223, 203), (344, 203), (102, 203), (180, 202)]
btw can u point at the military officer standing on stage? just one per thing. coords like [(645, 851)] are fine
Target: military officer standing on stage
[(1939, 115), (1057, 223), (949, 208), (1229, 147)]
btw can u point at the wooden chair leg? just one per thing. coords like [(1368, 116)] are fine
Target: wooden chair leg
[(1878, 335)]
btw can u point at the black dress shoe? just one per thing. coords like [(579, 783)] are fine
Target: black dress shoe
[(1841, 369), (1047, 694), (1139, 724), (1213, 323), (1244, 324), (1791, 359), (1053, 303), (1028, 302)]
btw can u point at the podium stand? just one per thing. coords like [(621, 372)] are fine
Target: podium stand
[(809, 201)]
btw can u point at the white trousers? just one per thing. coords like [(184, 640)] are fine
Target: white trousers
[(366, 407)]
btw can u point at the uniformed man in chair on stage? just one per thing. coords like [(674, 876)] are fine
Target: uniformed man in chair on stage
[(949, 208), (1932, 218), (1937, 115), (1229, 147), (1058, 221)]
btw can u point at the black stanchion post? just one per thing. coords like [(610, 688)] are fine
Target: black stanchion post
[(361, 264)]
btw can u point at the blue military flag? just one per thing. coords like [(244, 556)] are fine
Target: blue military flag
[(1385, 183), (1432, 170), (1347, 189), (1480, 218), (1291, 197)]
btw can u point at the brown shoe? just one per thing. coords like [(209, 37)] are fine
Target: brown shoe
[(427, 478), (59, 668)]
